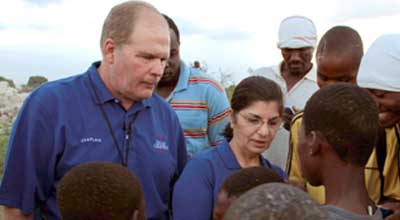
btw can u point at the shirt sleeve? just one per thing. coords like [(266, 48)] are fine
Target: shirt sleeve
[(193, 193), (182, 155), (391, 167), (30, 162), (294, 167), (218, 114)]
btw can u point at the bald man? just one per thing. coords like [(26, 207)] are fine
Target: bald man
[(108, 113)]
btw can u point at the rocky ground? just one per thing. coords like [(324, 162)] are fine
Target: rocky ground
[(10, 101)]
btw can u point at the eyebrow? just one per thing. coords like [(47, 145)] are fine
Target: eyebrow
[(259, 117)]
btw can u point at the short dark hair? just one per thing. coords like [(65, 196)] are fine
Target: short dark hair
[(250, 90), (347, 117), (173, 26), (245, 179), (120, 21), (99, 190), (273, 201), (341, 41)]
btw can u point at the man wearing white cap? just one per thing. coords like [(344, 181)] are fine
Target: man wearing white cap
[(295, 74), (379, 73)]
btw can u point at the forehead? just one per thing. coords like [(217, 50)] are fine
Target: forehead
[(336, 66), (150, 24), (302, 49), (150, 33), (263, 109)]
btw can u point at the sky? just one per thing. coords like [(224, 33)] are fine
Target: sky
[(60, 38)]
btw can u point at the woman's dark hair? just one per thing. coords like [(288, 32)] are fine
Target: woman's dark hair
[(250, 90)]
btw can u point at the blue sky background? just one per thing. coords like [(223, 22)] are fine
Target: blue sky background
[(59, 38)]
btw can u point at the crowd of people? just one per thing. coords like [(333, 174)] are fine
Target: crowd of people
[(142, 135)]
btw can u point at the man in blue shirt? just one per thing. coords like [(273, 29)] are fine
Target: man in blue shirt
[(108, 113), (199, 101)]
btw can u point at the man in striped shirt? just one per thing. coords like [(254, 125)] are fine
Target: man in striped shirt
[(199, 101)]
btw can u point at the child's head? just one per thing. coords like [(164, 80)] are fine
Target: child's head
[(240, 182), (100, 191), (275, 201), (338, 56), (340, 121), (380, 74)]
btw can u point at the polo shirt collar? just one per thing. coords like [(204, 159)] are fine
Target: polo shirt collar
[(229, 159), (311, 75), (227, 156), (103, 94), (184, 75)]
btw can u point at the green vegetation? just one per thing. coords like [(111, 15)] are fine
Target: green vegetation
[(229, 91), (5, 129), (9, 81), (33, 82)]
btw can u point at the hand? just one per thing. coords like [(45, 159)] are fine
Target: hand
[(394, 216), (395, 207), (287, 116), (392, 205)]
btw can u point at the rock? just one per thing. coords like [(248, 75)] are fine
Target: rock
[(10, 102)]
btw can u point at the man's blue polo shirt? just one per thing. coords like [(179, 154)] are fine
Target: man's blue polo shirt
[(61, 126), (195, 193)]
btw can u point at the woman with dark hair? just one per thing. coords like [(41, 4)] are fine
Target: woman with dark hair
[(257, 106)]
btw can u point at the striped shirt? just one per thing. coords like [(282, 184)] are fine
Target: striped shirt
[(202, 108)]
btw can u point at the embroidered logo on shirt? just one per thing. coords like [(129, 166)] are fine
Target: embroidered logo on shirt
[(160, 144), (91, 140)]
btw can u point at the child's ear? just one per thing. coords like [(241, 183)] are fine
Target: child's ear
[(317, 140), (135, 215)]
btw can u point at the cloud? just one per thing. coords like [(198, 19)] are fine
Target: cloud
[(220, 34), (229, 35), (359, 9), (189, 28), (43, 2)]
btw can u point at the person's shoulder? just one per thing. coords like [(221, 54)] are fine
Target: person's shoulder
[(337, 213), (57, 89), (312, 74), (275, 168), (207, 155), (204, 81), (267, 71), (160, 105)]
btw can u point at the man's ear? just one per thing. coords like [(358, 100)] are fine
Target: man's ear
[(232, 119), (316, 142), (135, 215), (108, 48)]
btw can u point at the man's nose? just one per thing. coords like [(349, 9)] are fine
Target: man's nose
[(295, 56)]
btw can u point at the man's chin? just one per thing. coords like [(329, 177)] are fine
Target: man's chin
[(388, 119), (296, 71)]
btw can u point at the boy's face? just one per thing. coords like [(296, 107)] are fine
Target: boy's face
[(332, 69), (223, 203), (389, 106)]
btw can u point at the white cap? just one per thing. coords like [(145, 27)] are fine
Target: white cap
[(297, 32), (380, 65)]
